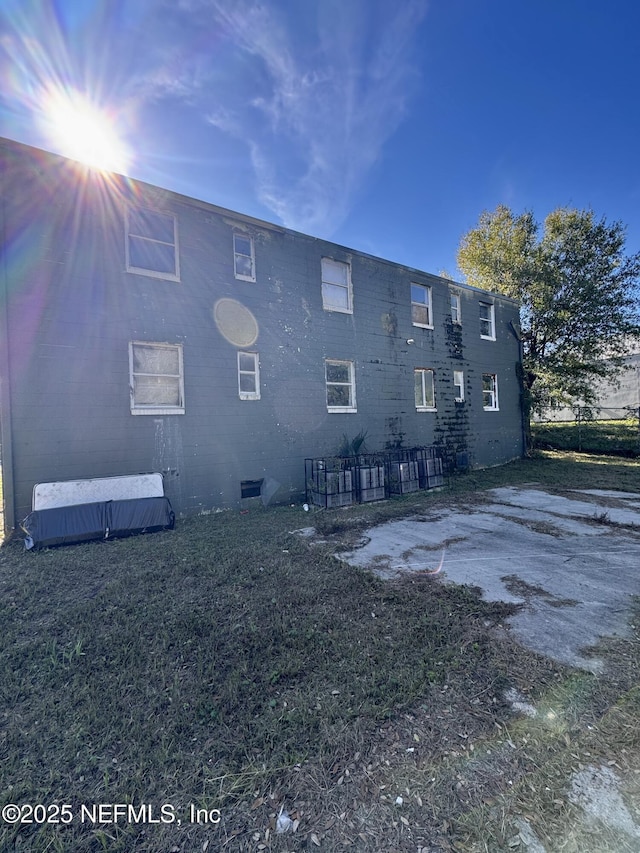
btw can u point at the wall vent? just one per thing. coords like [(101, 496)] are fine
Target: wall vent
[(251, 488)]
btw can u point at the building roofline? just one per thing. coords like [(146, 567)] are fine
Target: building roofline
[(7, 143)]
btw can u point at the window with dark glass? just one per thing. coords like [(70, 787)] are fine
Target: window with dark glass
[(243, 257), (340, 381)]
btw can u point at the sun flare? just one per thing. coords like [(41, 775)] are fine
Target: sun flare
[(83, 132)]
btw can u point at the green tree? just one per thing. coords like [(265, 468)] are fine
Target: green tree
[(578, 292)]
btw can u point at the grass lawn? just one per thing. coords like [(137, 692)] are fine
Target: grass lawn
[(621, 437), (236, 666)]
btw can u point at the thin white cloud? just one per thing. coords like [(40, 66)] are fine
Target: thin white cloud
[(310, 90), (314, 94)]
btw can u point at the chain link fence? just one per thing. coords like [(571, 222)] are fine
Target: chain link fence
[(596, 429)]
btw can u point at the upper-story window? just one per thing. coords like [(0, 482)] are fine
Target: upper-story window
[(456, 315), (487, 321), (337, 294), (156, 379), (152, 243), (421, 313), (244, 263)]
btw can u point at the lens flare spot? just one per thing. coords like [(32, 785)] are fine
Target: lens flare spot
[(235, 322), (83, 131)]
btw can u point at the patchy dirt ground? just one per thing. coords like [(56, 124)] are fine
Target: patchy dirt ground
[(572, 560), (236, 663)]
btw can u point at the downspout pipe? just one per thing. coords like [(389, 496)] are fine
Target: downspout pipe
[(523, 414), (6, 432)]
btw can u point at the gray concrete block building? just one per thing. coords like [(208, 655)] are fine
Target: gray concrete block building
[(142, 330)]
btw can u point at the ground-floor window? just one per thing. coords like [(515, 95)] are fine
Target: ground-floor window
[(156, 378), (489, 392), (458, 385), (341, 386), (425, 394), (248, 376)]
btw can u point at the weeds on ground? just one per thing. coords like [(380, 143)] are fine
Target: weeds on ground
[(196, 666), (233, 665), (619, 437)]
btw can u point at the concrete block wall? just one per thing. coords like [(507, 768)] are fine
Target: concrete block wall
[(71, 309)]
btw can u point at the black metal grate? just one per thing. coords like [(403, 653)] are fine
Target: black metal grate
[(336, 481)]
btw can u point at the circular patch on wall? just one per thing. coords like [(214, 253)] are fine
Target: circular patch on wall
[(235, 322)]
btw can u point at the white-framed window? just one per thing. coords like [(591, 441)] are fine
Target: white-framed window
[(156, 378), (490, 392), (341, 385), (456, 313), (248, 376), (337, 292), (425, 394), (458, 385), (487, 321), (244, 262), (421, 314), (151, 243)]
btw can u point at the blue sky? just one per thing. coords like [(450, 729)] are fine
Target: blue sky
[(385, 125)]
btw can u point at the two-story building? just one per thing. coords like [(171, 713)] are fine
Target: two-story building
[(142, 330)]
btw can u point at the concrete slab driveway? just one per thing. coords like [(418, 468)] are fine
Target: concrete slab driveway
[(571, 560)]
